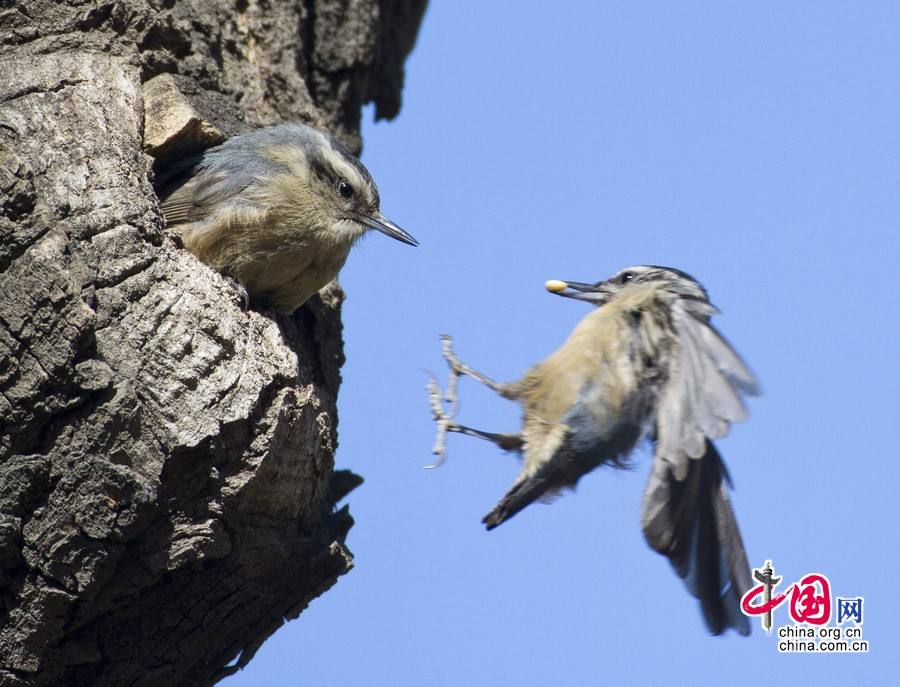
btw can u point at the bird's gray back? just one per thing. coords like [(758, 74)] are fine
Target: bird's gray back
[(221, 174)]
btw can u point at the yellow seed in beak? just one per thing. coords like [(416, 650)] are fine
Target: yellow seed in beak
[(555, 286)]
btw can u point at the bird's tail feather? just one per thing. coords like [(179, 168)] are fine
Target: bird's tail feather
[(520, 495), (691, 522)]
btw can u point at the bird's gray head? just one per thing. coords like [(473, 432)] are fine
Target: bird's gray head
[(679, 284), (321, 179)]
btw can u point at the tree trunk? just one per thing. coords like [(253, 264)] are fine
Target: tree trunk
[(166, 458)]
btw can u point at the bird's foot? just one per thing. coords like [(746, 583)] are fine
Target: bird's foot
[(442, 418), (240, 291), (440, 400)]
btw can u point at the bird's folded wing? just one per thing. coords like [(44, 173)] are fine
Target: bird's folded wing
[(194, 200), (215, 180)]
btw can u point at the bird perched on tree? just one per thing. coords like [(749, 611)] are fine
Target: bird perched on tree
[(277, 210), (646, 363)]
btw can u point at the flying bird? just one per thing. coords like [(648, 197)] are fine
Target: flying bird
[(645, 364)]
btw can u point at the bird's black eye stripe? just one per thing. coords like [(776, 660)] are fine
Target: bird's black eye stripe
[(345, 189)]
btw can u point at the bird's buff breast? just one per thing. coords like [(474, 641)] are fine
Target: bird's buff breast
[(589, 354), (273, 265)]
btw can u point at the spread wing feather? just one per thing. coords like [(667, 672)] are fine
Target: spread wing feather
[(701, 396), (687, 515)]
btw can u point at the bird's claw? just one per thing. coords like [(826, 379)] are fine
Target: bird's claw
[(443, 420), (241, 291)]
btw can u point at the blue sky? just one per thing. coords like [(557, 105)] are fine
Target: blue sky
[(754, 145)]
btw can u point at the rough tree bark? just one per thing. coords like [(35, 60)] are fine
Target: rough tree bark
[(166, 458)]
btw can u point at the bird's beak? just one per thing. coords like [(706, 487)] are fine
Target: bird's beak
[(385, 226), (590, 293)]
